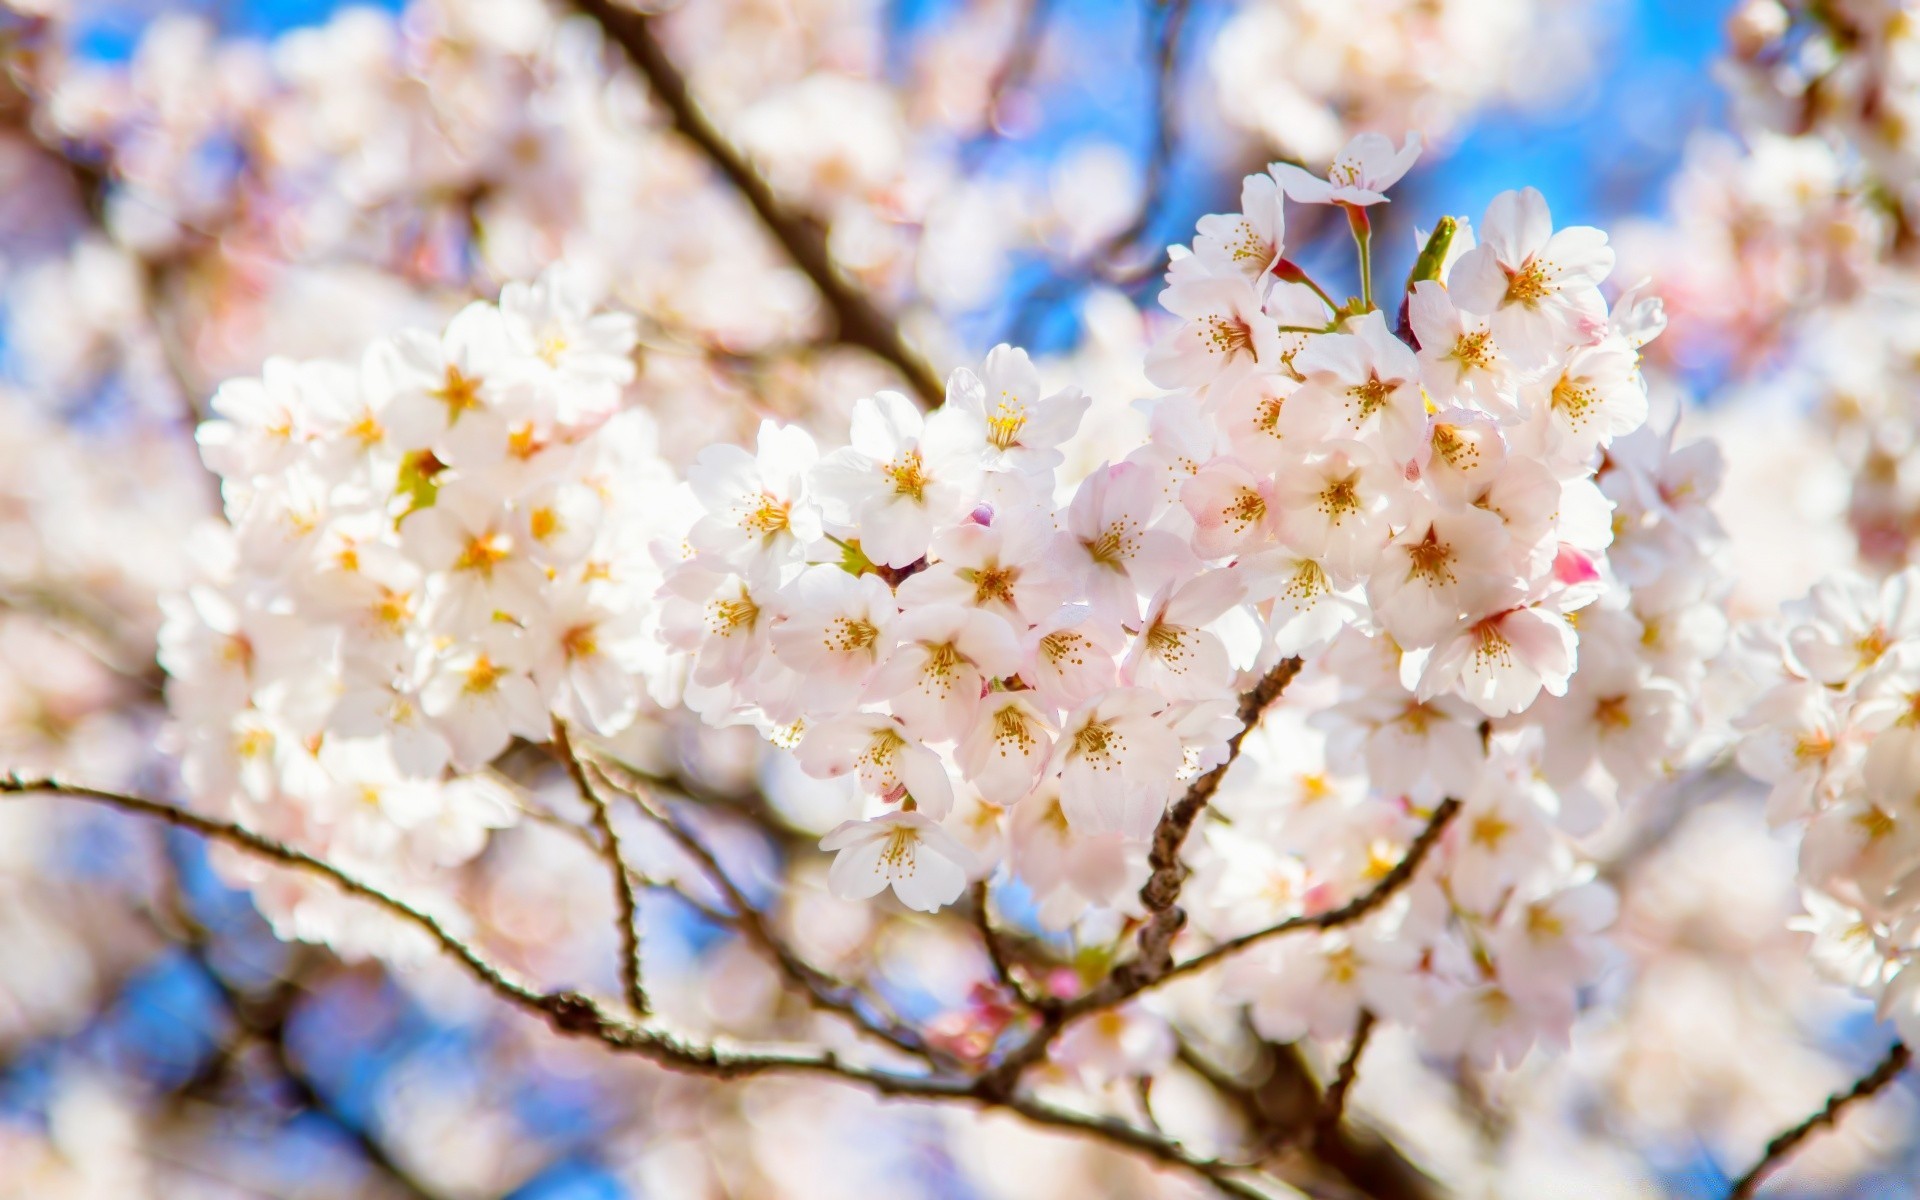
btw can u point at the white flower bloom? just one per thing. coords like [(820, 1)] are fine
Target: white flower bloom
[(836, 630), (1017, 428), (757, 506), (1117, 757), (1363, 385), (945, 659), (1250, 241), (891, 763), (1360, 176), (922, 862), (1540, 288), (900, 478)]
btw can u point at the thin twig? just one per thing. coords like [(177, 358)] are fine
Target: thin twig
[(823, 990), (858, 320), (1353, 910), (228, 833), (996, 948), (578, 1015), (1023, 54), (625, 901), (1898, 1056), (1152, 957), (1333, 1106)]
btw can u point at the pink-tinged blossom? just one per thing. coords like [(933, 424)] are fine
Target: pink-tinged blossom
[(1442, 566), (1341, 503), (1250, 241), (1007, 568), (1501, 662), (1224, 335), (1110, 548), (1465, 454), (1460, 361), (1008, 749), (1175, 655), (1540, 289), (1070, 656), (1363, 385), (1305, 608), (902, 476), (1234, 511), (923, 864), (835, 630), (889, 760), (945, 658), (1593, 398), (756, 505), (1360, 176), (1316, 986), (1117, 757)]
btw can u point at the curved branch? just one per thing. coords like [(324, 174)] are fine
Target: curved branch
[(1898, 1056), (1353, 910), (578, 1015), (1333, 1106), (823, 990), (625, 902), (858, 320)]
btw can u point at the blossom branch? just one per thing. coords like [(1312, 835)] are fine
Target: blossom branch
[(1778, 1150), (1023, 54), (625, 900), (1161, 892), (822, 990), (578, 1015), (1153, 956), (858, 320), (1352, 911)]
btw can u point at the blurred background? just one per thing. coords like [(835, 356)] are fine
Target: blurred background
[(188, 188)]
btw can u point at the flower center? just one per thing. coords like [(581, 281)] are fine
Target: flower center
[(1529, 285), (459, 393), (1008, 419), (1229, 336), (908, 476)]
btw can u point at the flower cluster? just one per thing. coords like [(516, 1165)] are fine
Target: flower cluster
[(1836, 733), (430, 555), (937, 612)]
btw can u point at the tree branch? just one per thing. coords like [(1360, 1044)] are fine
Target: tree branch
[(1162, 889), (1333, 1106), (858, 320), (996, 948), (823, 990), (578, 1015), (1898, 1056), (1353, 910), (627, 904)]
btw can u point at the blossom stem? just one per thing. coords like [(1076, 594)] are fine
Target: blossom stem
[(1288, 271), (1362, 227)]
